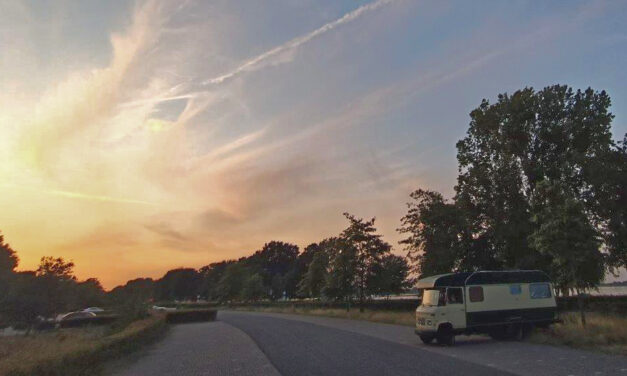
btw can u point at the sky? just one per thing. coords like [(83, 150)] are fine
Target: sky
[(136, 137)]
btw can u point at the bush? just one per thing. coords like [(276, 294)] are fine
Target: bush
[(187, 316), (74, 351)]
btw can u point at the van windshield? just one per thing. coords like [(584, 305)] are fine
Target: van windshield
[(431, 298)]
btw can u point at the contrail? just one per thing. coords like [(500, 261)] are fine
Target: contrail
[(254, 63), (79, 195)]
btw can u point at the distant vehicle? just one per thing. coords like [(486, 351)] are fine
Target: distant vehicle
[(503, 304), (165, 309), (93, 309), (76, 315)]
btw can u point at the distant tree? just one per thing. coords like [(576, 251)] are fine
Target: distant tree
[(211, 275), (314, 279), (368, 251), (138, 290), (253, 288), (566, 236), (296, 274), (88, 293), (273, 262), (179, 284), (232, 282), (435, 230), (391, 275), (8, 263), (56, 267), (8, 258), (340, 280), (27, 298), (56, 280)]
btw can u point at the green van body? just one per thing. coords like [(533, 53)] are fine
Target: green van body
[(499, 303)]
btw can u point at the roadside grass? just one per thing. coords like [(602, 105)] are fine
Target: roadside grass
[(603, 332), (75, 351), (387, 317)]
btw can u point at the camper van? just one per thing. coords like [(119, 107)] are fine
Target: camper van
[(503, 304)]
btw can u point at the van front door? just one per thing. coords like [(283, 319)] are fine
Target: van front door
[(455, 308)]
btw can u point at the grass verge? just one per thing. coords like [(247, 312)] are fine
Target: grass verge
[(603, 332), (387, 317), (75, 351)]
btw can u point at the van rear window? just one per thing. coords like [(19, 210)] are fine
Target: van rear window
[(475, 293), (539, 290)]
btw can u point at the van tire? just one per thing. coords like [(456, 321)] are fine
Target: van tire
[(426, 339), (526, 330), (445, 335)]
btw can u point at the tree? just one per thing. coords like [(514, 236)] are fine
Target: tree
[(340, 280), (57, 268), (435, 230), (179, 284), (554, 134), (273, 262), (211, 276), (8, 258), (391, 276), (314, 279), (230, 285), (565, 235), (368, 251), (253, 288), (138, 290), (615, 204), (55, 280)]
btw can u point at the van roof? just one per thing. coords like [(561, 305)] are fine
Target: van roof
[(483, 277)]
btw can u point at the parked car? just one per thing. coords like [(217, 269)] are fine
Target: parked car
[(93, 309), (75, 316), (503, 304)]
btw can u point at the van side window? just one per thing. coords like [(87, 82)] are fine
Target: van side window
[(515, 289), (475, 293), (454, 295), (539, 290)]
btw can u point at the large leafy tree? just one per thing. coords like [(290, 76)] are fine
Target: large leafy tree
[(555, 134)]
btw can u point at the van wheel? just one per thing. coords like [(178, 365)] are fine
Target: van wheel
[(445, 336), (526, 330), (426, 339)]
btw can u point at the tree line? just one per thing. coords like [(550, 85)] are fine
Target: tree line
[(355, 265), (541, 185), (49, 290)]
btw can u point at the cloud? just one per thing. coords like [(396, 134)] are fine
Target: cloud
[(284, 53)]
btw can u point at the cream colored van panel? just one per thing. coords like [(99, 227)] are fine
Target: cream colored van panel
[(499, 297)]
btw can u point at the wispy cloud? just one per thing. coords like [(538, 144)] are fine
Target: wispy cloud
[(278, 54)]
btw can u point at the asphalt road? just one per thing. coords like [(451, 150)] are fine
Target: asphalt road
[(244, 343)]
